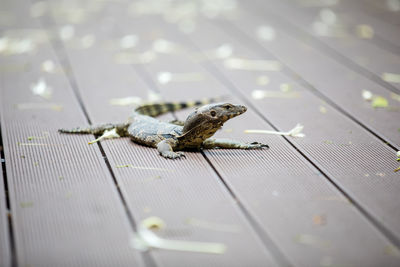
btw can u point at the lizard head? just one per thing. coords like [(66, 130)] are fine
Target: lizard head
[(206, 120), (212, 115)]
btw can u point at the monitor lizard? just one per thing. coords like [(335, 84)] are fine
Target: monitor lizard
[(170, 138)]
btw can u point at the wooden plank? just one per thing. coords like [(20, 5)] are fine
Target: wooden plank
[(177, 191), (291, 196), (65, 207), (5, 251), (353, 167), (362, 57)]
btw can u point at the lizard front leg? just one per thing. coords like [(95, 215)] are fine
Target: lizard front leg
[(228, 143), (166, 150)]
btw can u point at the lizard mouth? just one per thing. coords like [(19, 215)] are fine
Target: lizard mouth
[(242, 109), (239, 109)]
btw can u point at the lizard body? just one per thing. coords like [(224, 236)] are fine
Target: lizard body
[(171, 138)]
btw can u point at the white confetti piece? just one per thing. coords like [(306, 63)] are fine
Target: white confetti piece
[(128, 41), (391, 77), (261, 94), (106, 135), (164, 46), (67, 32), (126, 101), (13, 46), (223, 51), (48, 66), (145, 239), (153, 97), (322, 109), (166, 77), (285, 87), (252, 65), (263, 80), (295, 132), (88, 41), (367, 95), (42, 89), (266, 33), (327, 16), (364, 31)]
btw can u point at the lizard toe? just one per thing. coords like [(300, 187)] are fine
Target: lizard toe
[(257, 145), (172, 155)]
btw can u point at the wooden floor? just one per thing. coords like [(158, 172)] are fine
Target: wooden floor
[(331, 198)]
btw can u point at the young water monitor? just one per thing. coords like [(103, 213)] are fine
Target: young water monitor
[(170, 138)]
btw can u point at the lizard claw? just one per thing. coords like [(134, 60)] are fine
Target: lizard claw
[(256, 145), (172, 155)]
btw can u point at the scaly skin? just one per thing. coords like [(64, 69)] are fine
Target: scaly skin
[(171, 138)]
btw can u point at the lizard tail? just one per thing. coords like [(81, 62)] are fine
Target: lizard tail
[(157, 109), (98, 129)]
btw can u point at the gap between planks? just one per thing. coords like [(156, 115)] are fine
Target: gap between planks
[(9, 220), (60, 52)]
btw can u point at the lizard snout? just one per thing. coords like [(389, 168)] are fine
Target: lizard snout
[(241, 109), (236, 111)]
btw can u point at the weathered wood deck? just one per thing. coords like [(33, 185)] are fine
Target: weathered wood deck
[(328, 199)]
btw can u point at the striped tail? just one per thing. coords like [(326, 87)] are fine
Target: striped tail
[(98, 129), (157, 109)]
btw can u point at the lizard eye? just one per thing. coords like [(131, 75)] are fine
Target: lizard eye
[(227, 107), (213, 113)]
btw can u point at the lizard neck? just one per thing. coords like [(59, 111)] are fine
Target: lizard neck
[(194, 137)]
